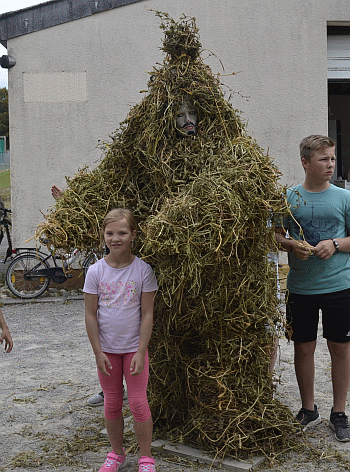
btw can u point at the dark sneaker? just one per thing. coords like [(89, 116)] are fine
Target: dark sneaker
[(340, 425), (308, 418)]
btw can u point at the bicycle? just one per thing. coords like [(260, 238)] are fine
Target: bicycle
[(5, 224), (29, 273)]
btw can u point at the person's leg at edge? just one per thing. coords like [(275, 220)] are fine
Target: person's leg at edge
[(340, 360), (304, 365), (113, 392)]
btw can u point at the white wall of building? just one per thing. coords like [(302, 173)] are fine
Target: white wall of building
[(278, 50)]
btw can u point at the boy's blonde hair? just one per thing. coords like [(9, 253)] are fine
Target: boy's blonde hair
[(313, 143), (119, 214)]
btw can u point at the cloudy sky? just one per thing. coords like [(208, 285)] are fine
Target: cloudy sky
[(12, 5)]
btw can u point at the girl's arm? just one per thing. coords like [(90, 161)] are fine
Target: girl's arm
[(91, 305), (5, 334), (138, 361)]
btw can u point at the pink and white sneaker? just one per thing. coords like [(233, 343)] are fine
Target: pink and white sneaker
[(114, 462), (146, 464)]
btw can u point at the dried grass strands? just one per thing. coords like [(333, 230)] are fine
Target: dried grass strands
[(204, 204)]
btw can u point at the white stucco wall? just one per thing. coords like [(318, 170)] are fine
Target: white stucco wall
[(278, 49)]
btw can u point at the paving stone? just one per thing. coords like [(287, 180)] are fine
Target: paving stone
[(198, 456)]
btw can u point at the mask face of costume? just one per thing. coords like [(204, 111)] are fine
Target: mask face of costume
[(187, 119)]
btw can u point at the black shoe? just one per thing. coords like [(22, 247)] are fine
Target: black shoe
[(308, 418), (340, 425)]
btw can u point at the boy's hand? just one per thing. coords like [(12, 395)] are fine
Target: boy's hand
[(302, 249), (137, 364), (6, 336), (324, 249), (103, 363)]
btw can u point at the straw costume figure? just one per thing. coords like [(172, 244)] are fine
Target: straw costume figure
[(203, 194)]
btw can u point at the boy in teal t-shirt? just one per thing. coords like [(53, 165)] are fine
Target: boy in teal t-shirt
[(319, 279), (318, 216)]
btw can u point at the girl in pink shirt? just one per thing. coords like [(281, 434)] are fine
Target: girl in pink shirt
[(119, 295)]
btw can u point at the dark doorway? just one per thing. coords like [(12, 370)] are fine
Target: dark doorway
[(338, 52)]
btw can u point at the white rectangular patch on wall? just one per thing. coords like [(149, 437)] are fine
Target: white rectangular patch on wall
[(56, 87)]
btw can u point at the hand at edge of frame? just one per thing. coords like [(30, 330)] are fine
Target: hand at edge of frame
[(6, 336)]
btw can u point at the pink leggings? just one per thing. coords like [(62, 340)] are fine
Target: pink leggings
[(113, 388)]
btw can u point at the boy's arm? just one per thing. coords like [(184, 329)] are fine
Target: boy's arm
[(138, 361), (300, 248), (91, 305), (325, 249), (5, 334), (280, 238)]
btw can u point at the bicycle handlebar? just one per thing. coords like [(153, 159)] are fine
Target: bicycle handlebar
[(3, 216)]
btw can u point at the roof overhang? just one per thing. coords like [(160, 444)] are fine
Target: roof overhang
[(52, 13)]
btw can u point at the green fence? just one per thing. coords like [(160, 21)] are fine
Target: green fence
[(4, 159)]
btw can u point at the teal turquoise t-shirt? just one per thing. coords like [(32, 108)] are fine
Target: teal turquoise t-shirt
[(318, 216)]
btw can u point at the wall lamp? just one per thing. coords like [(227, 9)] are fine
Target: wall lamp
[(6, 62)]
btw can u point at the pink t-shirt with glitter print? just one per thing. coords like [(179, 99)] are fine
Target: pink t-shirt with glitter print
[(119, 302)]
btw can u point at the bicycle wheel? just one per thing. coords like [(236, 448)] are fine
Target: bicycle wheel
[(91, 259), (20, 283)]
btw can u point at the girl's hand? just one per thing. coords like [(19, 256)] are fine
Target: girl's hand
[(137, 364), (302, 249), (103, 363)]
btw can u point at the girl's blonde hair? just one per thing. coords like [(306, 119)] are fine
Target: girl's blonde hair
[(119, 214)]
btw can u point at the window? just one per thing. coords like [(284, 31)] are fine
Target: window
[(338, 52)]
